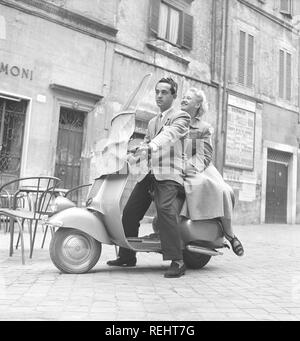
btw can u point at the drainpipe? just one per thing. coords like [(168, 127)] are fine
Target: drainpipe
[(225, 79), (2, 126), (298, 38), (213, 40), (222, 86)]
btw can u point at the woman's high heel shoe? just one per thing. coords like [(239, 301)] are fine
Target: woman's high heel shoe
[(236, 245)]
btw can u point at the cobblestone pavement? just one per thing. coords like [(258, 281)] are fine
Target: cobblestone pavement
[(264, 284)]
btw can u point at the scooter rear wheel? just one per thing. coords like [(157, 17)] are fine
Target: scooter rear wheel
[(73, 251), (195, 260)]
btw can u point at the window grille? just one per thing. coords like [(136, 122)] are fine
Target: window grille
[(12, 123), (278, 156)]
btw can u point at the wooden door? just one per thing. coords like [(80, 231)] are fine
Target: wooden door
[(69, 147), (276, 195)]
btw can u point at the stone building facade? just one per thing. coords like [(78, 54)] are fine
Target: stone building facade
[(67, 66), (262, 79), (55, 64)]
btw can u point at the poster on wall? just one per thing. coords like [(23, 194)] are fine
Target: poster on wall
[(240, 134)]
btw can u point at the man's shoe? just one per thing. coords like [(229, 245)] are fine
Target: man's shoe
[(175, 270), (122, 262)]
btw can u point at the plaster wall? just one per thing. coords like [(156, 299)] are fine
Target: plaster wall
[(52, 54)]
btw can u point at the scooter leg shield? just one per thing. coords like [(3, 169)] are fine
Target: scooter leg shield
[(81, 219)]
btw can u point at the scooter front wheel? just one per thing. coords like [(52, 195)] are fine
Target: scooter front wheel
[(73, 251)]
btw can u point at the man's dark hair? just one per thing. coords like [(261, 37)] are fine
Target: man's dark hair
[(169, 80)]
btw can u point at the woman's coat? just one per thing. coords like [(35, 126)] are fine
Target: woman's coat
[(207, 194)]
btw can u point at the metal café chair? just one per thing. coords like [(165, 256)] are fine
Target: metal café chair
[(70, 193), (38, 191), (5, 202), (73, 195)]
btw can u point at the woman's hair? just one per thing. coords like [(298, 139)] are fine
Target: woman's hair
[(202, 99)]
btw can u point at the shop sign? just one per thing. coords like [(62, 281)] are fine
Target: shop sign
[(240, 134), (16, 71)]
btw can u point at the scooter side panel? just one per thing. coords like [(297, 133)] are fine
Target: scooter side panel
[(81, 219), (202, 230), (107, 201)]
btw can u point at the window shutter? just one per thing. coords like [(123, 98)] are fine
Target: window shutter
[(187, 31), (281, 73), (250, 60), (242, 56), (288, 76), (154, 15), (284, 5), (296, 8)]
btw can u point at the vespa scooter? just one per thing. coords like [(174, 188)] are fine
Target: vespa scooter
[(76, 245), (79, 234)]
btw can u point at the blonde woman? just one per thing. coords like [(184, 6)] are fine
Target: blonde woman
[(207, 194)]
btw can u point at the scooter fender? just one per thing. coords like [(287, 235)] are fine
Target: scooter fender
[(81, 219)]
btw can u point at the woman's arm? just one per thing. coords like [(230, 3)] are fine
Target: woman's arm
[(200, 150)]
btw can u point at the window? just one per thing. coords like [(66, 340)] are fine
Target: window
[(171, 23), (168, 25), (285, 75), (246, 59), (286, 6)]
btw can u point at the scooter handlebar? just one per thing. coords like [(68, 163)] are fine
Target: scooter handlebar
[(133, 150), (132, 159)]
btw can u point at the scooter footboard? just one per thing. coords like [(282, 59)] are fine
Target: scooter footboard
[(81, 219), (209, 231)]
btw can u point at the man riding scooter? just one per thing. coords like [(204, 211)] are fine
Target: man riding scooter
[(79, 232), (163, 145)]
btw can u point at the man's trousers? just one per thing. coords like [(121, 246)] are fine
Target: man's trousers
[(168, 199)]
